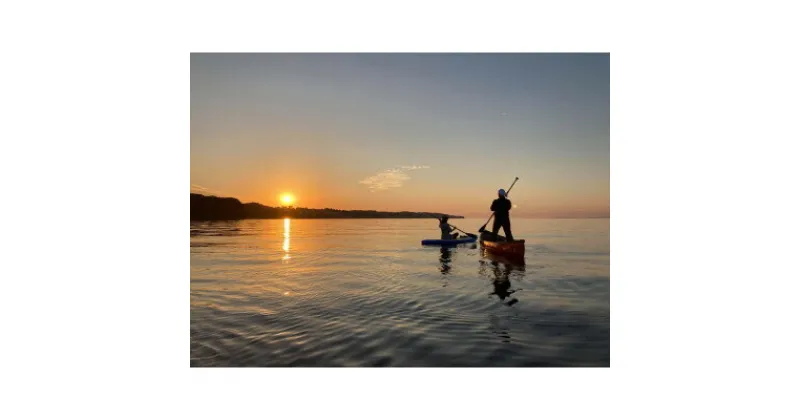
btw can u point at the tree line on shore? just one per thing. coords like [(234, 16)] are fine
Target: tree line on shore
[(204, 207)]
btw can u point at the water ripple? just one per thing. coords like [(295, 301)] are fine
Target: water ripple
[(379, 299)]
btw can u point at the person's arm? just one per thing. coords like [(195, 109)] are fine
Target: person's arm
[(509, 205), (494, 206)]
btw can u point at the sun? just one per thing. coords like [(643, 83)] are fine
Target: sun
[(287, 199)]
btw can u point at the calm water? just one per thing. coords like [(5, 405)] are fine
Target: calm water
[(366, 293)]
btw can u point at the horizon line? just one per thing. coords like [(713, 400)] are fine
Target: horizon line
[(406, 211), (331, 208)]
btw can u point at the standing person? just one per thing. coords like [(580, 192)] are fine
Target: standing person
[(447, 229), (501, 208)]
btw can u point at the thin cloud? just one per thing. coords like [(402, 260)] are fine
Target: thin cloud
[(390, 178), (202, 190)]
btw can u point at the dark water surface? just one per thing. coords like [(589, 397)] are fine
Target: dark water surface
[(366, 293)]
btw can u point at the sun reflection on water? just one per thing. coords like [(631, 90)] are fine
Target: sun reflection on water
[(287, 228)]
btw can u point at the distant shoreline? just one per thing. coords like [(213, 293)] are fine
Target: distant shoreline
[(213, 208)]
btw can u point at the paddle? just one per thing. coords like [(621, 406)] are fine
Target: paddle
[(471, 235), (483, 228)]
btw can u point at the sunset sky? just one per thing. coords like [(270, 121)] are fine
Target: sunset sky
[(416, 132)]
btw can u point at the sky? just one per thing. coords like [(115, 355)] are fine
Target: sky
[(394, 132)]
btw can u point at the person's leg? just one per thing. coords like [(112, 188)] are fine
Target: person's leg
[(507, 230), (495, 229)]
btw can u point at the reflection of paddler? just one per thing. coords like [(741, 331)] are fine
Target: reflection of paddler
[(502, 283), (445, 259)]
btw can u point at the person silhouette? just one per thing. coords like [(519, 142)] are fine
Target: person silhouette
[(501, 208), (447, 230)]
